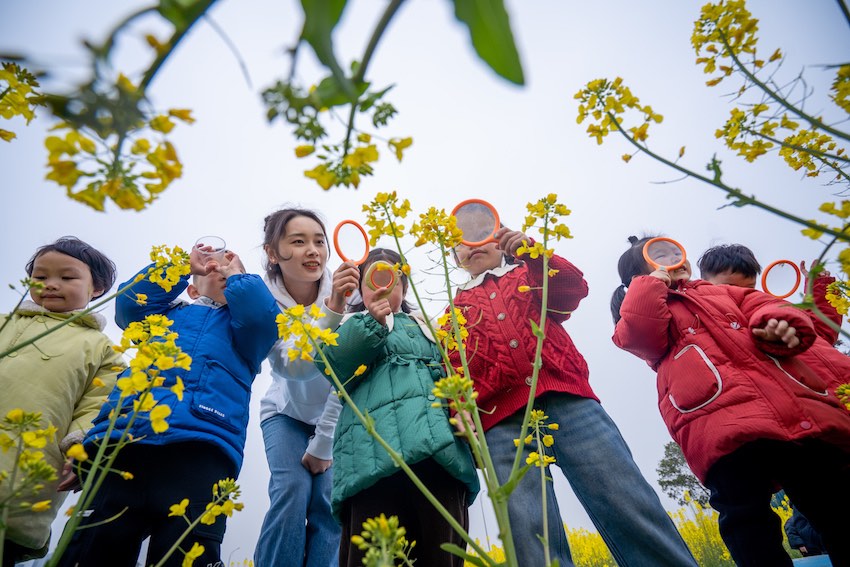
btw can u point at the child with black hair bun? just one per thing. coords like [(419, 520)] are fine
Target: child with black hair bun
[(749, 410), (402, 362), (64, 375)]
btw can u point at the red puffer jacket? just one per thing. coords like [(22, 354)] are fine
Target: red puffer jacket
[(719, 386), (500, 347)]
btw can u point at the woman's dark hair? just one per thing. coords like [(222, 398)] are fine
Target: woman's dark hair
[(631, 264), (734, 258), (391, 257), (102, 268), (274, 228)]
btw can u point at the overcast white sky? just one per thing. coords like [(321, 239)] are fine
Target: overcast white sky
[(474, 136)]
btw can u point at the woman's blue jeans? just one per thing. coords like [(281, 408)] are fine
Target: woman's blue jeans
[(298, 530), (598, 464)]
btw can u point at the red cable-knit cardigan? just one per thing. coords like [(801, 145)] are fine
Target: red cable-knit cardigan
[(501, 345)]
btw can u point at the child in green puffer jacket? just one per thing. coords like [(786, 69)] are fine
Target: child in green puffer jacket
[(402, 363)]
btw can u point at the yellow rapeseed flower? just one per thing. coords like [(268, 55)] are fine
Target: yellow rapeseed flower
[(77, 452), (157, 417), (179, 509), (196, 551), (178, 388), (41, 506), (304, 150), (15, 416)]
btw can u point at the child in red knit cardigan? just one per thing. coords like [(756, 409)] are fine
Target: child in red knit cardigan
[(588, 447)]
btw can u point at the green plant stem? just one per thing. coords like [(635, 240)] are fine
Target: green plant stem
[(545, 536), (221, 498), (498, 496), (176, 38), (777, 97), (377, 33), (743, 199), (397, 458), (68, 321), (110, 41), (94, 479), (4, 511), (844, 11), (15, 310), (479, 448)]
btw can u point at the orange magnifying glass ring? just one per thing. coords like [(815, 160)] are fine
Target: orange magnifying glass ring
[(339, 248), (493, 212), (656, 265), (772, 265)]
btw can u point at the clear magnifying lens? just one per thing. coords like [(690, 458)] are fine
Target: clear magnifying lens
[(477, 220), (664, 252), (781, 279), (381, 275), (351, 242)]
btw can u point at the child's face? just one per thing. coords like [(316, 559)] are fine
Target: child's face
[(478, 259), (211, 285), (681, 274), (302, 251), (733, 278), (68, 284), (395, 296), (665, 253)]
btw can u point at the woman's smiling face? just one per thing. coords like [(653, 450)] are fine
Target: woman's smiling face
[(302, 251)]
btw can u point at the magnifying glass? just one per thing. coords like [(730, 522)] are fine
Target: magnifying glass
[(663, 252), (381, 276), (477, 220), (781, 279), (356, 243)]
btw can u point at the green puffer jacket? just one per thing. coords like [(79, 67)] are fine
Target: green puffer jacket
[(402, 366)]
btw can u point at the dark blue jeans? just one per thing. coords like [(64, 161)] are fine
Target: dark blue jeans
[(593, 456)]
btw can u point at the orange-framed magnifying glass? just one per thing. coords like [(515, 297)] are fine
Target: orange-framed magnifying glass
[(781, 279), (356, 242), (381, 276), (478, 221), (347, 232), (663, 252)]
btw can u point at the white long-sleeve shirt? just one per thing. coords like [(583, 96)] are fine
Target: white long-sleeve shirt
[(298, 389)]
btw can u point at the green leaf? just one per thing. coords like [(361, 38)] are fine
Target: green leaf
[(490, 31), (507, 489), (535, 329), (182, 13), (330, 93), (320, 19), (455, 550), (372, 98)]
